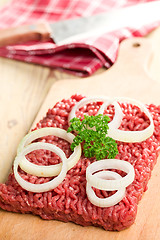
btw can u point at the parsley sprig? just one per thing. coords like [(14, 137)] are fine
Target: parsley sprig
[(92, 131)]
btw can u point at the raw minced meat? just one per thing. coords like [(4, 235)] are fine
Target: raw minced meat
[(68, 201)]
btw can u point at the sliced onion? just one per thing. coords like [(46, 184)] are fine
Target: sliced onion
[(113, 131), (132, 136), (110, 185), (118, 116), (42, 132), (83, 102), (109, 201), (47, 171), (44, 187)]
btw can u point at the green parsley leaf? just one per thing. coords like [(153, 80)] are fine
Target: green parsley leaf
[(92, 132)]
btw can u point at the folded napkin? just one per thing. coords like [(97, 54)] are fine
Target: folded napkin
[(81, 58)]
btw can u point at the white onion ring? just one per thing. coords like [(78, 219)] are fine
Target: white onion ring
[(44, 187), (118, 116), (102, 184), (132, 136), (83, 102), (109, 201), (113, 131), (53, 170)]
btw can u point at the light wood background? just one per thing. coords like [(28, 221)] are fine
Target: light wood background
[(23, 89), (127, 77)]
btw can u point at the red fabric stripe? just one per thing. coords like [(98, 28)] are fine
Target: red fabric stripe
[(88, 54)]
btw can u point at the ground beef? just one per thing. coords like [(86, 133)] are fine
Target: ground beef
[(69, 202)]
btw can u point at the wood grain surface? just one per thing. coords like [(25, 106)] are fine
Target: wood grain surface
[(129, 76), (23, 89)]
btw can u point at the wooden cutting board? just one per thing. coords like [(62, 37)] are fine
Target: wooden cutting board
[(128, 77)]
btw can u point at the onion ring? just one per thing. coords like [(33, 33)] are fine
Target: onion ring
[(132, 136), (113, 131), (118, 116), (109, 201), (49, 170), (44, 187), (110, 164), (82, 103)]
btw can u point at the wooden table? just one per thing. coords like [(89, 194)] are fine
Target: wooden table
[(23, 88)]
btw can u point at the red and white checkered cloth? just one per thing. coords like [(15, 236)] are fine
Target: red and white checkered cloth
[(82, 58)]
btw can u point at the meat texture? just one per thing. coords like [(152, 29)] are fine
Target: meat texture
[(68, 201)]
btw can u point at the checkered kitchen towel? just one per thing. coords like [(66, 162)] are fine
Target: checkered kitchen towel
[(82, 58)]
